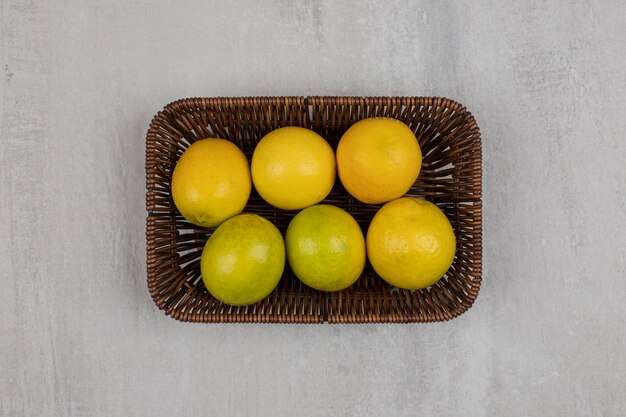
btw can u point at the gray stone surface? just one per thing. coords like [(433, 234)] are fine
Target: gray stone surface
[(79, 335)]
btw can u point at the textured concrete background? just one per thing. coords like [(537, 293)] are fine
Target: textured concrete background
[(79, 335)]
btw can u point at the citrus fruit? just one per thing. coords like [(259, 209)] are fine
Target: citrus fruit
[(211, 182), (410, 243), (293, 168), (378, 159), (243, 260), (325, 248)]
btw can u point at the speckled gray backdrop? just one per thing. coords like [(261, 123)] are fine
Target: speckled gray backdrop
[(79, 335)]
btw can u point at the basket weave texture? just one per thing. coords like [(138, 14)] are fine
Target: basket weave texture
[(450, 177)]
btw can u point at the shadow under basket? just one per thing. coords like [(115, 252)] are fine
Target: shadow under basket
[(450, 177)]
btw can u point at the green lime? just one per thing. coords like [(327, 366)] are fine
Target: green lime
[(325, 248), (243, 260)]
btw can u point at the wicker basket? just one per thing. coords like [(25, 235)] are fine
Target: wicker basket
[(450, 177)]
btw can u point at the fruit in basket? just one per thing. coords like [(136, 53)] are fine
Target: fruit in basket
[(325, 248), (243, 260), (378, 159), (293, 168), (211, 182), (410, 243)]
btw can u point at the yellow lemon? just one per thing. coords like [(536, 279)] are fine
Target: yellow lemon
[(410, 243), (378, 159), (325, 248), (243, 260), (293, 168), (211, 182)]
